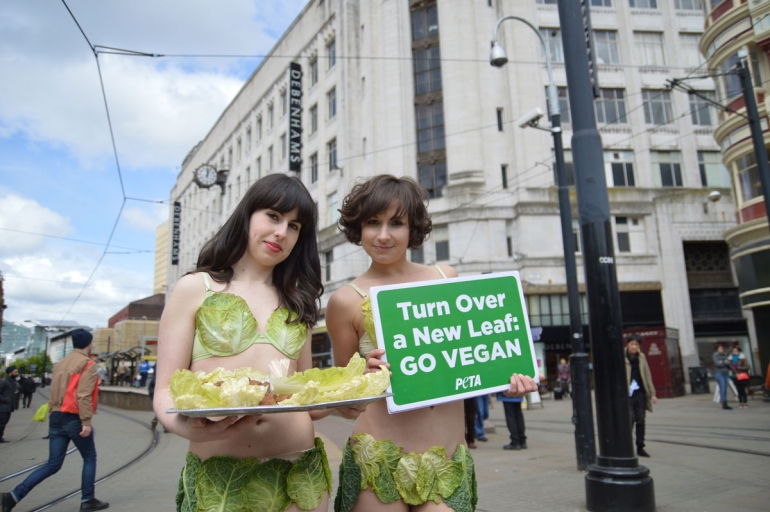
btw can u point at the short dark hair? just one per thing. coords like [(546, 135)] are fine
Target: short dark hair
[(634, 337), (375, 195), (297, 279)]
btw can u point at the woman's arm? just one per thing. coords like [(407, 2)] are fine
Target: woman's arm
[(175, 341), (340, 324)]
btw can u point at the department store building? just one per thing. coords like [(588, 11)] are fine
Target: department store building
[(405, 87)]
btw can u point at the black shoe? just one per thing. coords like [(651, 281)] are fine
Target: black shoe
[(8, 502), (642, 453), (94, 504), (4, 440), (523, 445), (512, 446), (725, 406)]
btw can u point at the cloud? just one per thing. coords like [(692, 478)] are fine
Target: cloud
[(21, 214), (145, 219)]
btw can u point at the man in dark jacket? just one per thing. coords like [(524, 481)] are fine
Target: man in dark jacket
[(7, 398), (65, 426), (641, 390), (27, 390)]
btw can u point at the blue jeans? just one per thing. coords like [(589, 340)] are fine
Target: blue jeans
[(482, 413), (723, 380), (63, 428)]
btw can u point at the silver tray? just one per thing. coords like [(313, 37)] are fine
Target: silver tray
[(273, 409)]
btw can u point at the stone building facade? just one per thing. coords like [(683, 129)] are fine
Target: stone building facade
[(405, 87)]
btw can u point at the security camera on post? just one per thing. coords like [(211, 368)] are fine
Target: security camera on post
[(531, 118)]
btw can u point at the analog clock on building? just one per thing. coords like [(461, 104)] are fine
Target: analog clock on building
[(205, 176)]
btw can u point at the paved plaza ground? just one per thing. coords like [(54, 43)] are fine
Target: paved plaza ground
[(703, 459)]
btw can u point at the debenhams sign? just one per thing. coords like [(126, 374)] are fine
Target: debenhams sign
[(295, 117)]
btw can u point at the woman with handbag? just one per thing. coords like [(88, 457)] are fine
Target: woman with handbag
[(741, 379)]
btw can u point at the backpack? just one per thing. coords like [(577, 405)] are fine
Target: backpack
[(70, 403)]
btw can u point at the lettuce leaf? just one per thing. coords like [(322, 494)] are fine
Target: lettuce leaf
[(377, 382), (186, 501), (465, 497), (219, 484), (200, 390), (307, 480), (305, 397), (287, 336), (366, 307), (438, 476), (223, 321), (405, 477), (368, 453), (237, 392), (384, 485), (350, 481), (265, 489), (319, 445), (328, 379)]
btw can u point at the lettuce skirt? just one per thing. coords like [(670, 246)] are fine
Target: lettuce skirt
[(412, 477), (251, 485)]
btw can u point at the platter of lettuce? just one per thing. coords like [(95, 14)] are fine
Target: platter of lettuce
[(247, 392)]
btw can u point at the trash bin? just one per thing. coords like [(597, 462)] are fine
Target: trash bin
[(699, 382)]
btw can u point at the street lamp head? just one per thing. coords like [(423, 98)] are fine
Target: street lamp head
[(714, 196), (497, 56)]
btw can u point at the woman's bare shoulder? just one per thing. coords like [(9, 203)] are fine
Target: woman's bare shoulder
[(189, 283), (345, 297), (448, 270)]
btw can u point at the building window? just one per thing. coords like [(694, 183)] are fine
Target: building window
[(621, 166), (314, 167), (504, 173), (332, 212), (270, 159), (284, 104), (331, 54), (331, 150), (712, 172), (611, 106), (329, 259), (424, 23), (331, 104), (622, 235), (427, 70), (607, 50), (313, 72), (259, 128), (701, 110), (644, 4), (314, 119), (441, 235), (238, 188), (657, 106), (689, 51), (248, 177), (259, 167), (248, 140), (430, 127), (667, 168), (548, 310), (553, 45), (230, 157), (750, 183), (283, 147), (729, 82), (601, 3), (417, 255), (689, 5), (238, 150), (270, 117), (509, 237), (649, 48), (433, 178), (576, 234), (499, 119)]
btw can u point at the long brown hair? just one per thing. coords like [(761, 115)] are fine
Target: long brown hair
[(297, 279)]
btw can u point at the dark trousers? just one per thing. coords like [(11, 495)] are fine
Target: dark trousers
[(515, 421), (638, 407), (741, 387), (63, 428), (5, 417), (470, 420), (26, 400)]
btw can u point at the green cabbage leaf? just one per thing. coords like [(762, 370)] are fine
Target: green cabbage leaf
[(265, 490), (308, 480), (366, 307), (224, 323), (291, 337), (220, 388), (219, 484), (328, 379)]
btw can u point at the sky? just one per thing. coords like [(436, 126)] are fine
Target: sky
[(61, 187)]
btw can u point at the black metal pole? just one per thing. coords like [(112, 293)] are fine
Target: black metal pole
[(617, 482), (582, 411), (760, 150)]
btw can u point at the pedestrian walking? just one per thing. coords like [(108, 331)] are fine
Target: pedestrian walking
[(741, 375), (564, 377), (722, 366), (122, 372), (387, 216), (72, 405), (7, 398), (482, 414), (144, 369), (641, 390), (470, 409), (27, 390), (514, 420)]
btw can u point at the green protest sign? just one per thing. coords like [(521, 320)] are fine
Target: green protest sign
[(451, 339)]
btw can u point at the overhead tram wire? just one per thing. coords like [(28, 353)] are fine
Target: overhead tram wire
[(117, 165), (74, 240)]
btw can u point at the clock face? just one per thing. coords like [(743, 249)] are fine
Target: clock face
[(205, 176)]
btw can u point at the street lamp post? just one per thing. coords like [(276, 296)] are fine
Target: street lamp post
[(582, 413)]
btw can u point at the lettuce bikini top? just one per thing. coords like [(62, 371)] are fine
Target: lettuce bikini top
[(368, 341), (225, 326)]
